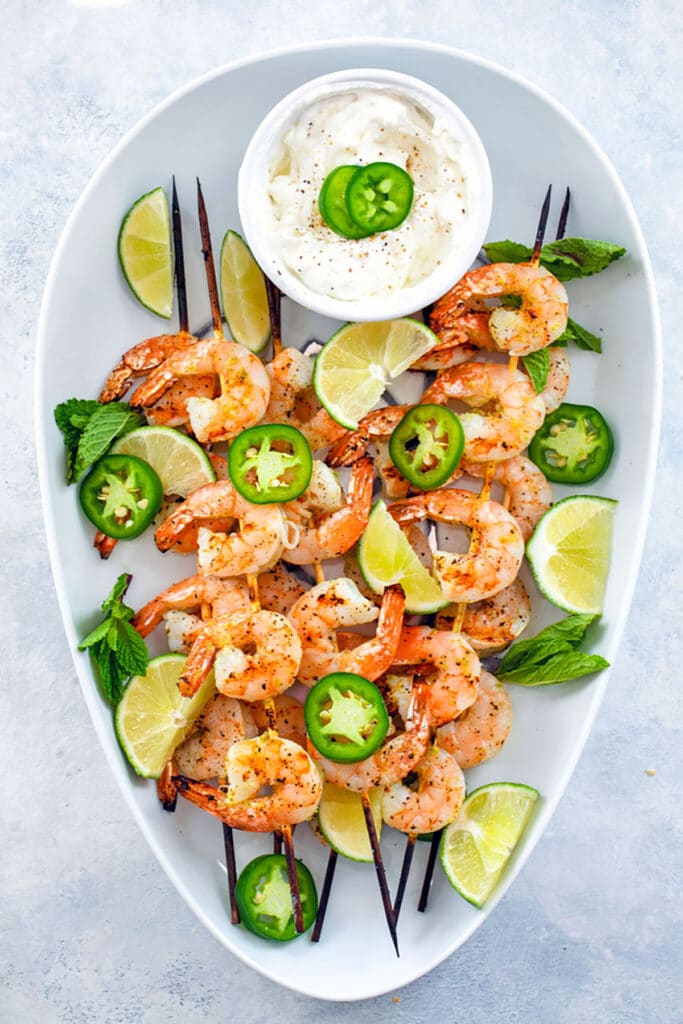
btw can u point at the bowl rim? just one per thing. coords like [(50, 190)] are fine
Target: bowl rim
[(252, 178), (90, 695)]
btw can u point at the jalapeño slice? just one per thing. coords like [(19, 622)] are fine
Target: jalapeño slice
[(379, 197), (427, 445), (264, 898), (345, 717), (332, 202), (270, 463), (121, 496), (574, 445)]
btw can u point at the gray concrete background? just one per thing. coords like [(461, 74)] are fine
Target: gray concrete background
[(91, 929)]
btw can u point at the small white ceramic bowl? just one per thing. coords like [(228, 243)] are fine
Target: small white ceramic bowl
[(255, 173)]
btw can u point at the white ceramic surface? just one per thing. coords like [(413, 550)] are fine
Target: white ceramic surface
[(514, 120), (255, 173)]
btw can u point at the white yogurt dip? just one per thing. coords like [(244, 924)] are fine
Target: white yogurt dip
[(361, 125)]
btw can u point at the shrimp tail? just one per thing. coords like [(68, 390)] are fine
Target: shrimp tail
[(204, 796), (197, 667)]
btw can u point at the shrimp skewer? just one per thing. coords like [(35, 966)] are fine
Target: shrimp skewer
[(372, 836), (484, 495), (252, 578)]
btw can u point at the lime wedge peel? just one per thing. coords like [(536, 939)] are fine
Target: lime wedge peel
[(569, 552), (342, 822), (243, 294), (152, 718), (476, 846), (385, 557), (181, 464), (145, 253), (353, 369)]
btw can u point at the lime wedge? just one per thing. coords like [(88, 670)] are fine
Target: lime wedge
[(569, 552), (152, 718), (181, 464), (353, 369), (342, 822), (243, 294), (385, 557), (476, 846), (145, 252)]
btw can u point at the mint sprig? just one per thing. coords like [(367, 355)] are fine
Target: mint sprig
[(117, 649), (537, 365), (90, 428), (581, 337), (552, 656), (566, 258)]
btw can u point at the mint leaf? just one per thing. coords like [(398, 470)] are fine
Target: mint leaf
[(112, 677), (537, 365), (558, 669), (102, 429), (570, 630), (567, 258), (507, 252), (580, 336), (89, 428), (113, 600), (72, 417), (131, 650), (117, 649), (98, 633)]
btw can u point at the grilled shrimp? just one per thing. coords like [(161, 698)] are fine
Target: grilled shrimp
[(557, 382), (223, 721), (497, 433), (142, 359), (434, 803), (453, 685), (223, 596), (496, 543), (458, 343), (335, 532), (293, 400), (528, 493), (245, 387), (173, 409), (265, 761), (289, 718), (327, 606), (279, 589), (255, 655), (540, 319), (479, 734), (257, 545), (495, 622), (395, 759), (378, 425)]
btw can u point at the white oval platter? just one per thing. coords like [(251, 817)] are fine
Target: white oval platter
[(88, 318)]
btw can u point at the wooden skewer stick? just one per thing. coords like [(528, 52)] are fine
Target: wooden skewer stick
[(429, 872), (379, 870), (540, 232), (324, 896), (564, 216), (274, 311), (405, 871), (209, 266), (179, 257)]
